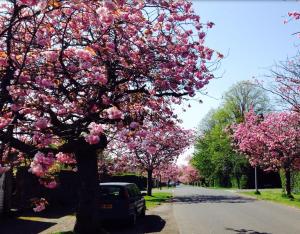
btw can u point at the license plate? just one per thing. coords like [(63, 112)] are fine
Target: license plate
[(106, 206)]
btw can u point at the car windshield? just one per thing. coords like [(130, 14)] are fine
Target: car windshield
[(111, 192)]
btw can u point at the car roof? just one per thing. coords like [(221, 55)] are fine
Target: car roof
[(115, 184)]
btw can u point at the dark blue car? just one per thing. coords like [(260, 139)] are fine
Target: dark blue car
[(121, 201)]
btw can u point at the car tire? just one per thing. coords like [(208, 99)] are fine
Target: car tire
[(132, 219)]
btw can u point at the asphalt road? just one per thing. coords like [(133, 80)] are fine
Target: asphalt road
[(206, 211)]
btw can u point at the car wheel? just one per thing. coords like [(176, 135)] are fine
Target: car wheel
[(132, 219)]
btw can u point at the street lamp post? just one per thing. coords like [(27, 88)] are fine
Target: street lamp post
[(255, 178)]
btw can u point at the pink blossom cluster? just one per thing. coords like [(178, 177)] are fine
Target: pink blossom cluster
[(114, 113), (150, 146), (49, 184), (95, 130), (41, 123), (65, 158), (39, 204), (41, 163), (29, 2), (294, 14), (167, 172), (270, 141), (188, 174), (4, 122)]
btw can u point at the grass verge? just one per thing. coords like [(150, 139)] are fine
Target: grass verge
[(157, 198), (275, 195)]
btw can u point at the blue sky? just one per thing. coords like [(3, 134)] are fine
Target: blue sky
[(252, 35)]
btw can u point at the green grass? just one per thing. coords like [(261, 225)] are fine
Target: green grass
[(275, 195), (157, 198)]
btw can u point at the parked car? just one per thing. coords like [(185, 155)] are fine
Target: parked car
[(121, 201)]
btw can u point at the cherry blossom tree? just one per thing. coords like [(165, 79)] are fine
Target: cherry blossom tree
[(154, 145), (166, 173), (189, 174), (271, 142), (72, 72)]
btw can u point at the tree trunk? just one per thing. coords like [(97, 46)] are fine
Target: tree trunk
[(86, 215), (288, 182), (238, 181), (160, 182), (149, 183)]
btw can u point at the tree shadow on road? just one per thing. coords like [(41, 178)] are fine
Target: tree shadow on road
[(148, 224), (246, 231), (211, 199)]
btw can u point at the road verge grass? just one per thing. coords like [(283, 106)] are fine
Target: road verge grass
[(157, 198), (274, 195)]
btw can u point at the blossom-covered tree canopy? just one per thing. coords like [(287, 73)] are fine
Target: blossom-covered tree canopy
[(271, 142), (73, 71), (68, 66), (167, 173), (188, 174), (151, 145)]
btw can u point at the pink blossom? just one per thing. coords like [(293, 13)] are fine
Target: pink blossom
[(134, 125), (50, 185), (92, 139), (95, 129), (114, 113), (101, 78), (4, 122), (40, 205), (41, 123), (151, 149), (41, 164), (65, 158), (39, 208), (29, 2)]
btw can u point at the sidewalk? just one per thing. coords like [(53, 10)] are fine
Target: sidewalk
[(158, 220)]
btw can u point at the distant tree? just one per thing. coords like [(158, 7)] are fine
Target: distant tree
[(214, 155), (243, 96), (189, 174), (167, 173), (153, 145), (284, 83)]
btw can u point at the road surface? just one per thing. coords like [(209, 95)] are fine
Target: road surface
[(206, 211)]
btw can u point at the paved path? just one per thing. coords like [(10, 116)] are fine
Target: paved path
[(206, 211)]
